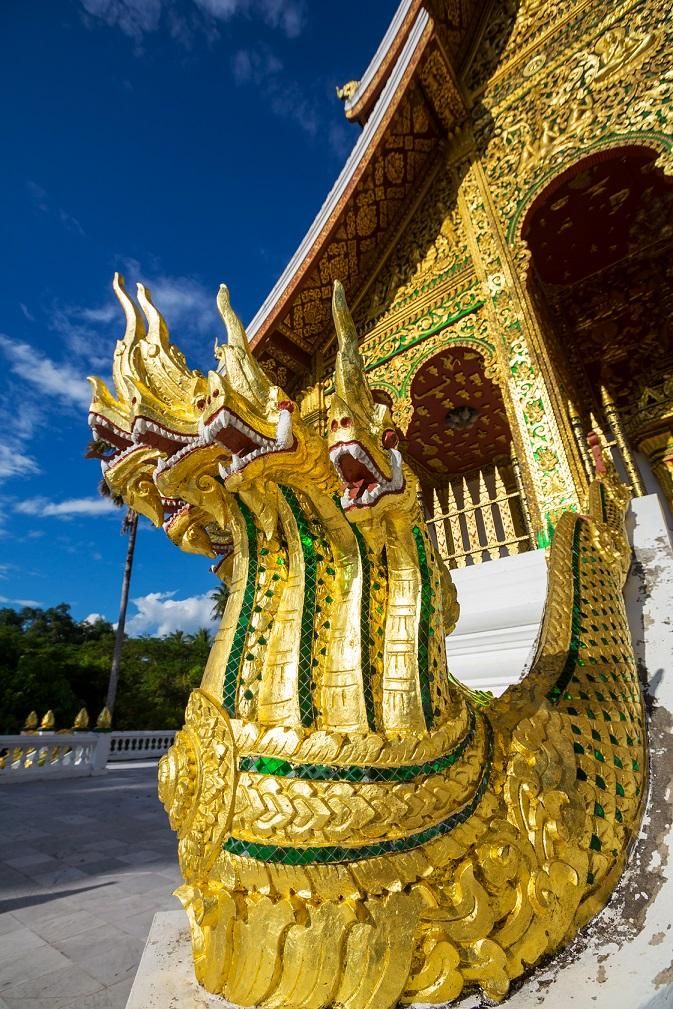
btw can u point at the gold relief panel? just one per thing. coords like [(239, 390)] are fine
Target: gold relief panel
[(429, 246), (535, 423), (611, 89)]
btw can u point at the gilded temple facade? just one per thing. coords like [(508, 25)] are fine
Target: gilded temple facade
[(503, 229)]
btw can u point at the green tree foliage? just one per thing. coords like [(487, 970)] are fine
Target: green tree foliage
[(50, 660)]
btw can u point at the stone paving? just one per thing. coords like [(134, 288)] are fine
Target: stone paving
[(84, 865)]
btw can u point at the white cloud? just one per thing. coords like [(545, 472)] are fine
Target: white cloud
[(341, 139), (93, 618), (71, 507), (28, 314), (19, 602), (137, 18), (14, 463), (105, 314), (260, 67), (133, 17), (18, 419), (185, 304), (38, 195), (255, 65), (159, 613), (56, 379), (41, 202)]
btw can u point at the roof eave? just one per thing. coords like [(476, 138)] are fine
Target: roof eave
[(359, 105), (359, 158)]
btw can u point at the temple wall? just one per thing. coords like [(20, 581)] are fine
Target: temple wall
[(547, 87)]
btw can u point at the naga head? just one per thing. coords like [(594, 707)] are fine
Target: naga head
[(362, 439), (150, 424), (127, 464), (255, 421)]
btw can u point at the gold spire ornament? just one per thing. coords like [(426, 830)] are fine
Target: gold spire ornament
[(48, 722), (356, 827), (104, 720), (31, 722), (81, 723)]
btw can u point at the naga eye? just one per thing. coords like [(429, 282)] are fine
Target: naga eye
[(334, 425), (216, 392), (200, 403), (390, 439), (346, 422)]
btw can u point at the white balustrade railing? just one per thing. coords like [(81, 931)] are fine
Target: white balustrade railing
[(52, 754), (35, 755), (139, 745)]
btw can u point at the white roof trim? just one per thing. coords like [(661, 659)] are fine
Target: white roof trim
[(379, 55), (347, 171)]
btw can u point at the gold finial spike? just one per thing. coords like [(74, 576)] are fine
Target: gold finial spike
[(157, 331), (81, 722), (349, 372), (48, 722), (31, 722), (236, 360), (135, 324), (236, 335), (104, 720)]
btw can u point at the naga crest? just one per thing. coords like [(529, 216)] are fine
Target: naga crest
[(355, 827)]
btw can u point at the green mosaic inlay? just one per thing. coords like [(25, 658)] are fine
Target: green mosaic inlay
[(359, 772), (232, 671), (365, 632), (307, 539), (340, 853), (424, 629)]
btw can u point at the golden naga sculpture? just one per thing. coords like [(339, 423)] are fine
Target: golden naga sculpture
[(355, 827)]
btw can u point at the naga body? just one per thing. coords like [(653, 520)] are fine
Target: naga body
[(355, 827)]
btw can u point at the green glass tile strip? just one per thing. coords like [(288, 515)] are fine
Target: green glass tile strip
[(556, 693), (340, 853), (305, 679), (424, 629), (232, 671), (359, 772), (365, 632)]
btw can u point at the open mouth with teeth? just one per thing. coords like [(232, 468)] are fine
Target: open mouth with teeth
[(244, 443), (173, 506), (152, 435), (117, 443), (365, 484)]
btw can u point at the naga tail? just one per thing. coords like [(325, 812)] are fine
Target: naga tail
[(584, 673)]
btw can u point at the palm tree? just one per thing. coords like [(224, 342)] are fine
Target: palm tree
[(201, 637), (99, 449), (219, 597)]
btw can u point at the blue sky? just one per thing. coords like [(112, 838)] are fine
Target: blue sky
[(185, 143)]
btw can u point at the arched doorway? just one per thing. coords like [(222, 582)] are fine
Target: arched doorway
[(601, 280), (459, 444)]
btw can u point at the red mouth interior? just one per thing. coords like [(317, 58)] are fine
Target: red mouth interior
[(237, 442), (171, 506), (162, 442), (113, 437), (357, 476)]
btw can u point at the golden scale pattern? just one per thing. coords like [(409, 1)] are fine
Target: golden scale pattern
[(389, 836)]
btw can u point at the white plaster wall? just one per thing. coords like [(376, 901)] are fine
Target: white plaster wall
[(501, 605)]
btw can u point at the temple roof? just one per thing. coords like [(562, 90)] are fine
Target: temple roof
[(407, 101)]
